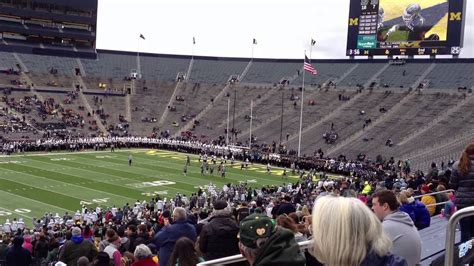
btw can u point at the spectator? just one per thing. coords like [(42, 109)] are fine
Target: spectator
[(415, 209), (443, 197), (102, 259), (346, 232), (286, 207), (53, 252), (286, 222), (143, 256), (83, 261), (18, 255), (218, 237), (261, 243), (40, 250), (27, 243), (428, 200), (167, 237), (113, 248), (142, 235), (75, 248), (184, 253), (132, 236), (243, 211), (4, 242), (462, 180), (398, 225), (367, 188)]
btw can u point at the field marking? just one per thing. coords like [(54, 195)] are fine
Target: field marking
[(137, 150), (66, 183), (147, 175), (13, 213), (121, 178), (232, 173), (201, 180), (66, 153), (40, 202)]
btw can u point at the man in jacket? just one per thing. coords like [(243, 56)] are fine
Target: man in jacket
[(286, 207), (169, 234), (17, 255), (218, 238), (398, 225), (77, 247), (142, 236), (263, 243)]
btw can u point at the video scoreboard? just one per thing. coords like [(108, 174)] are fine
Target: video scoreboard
[(405, 27)]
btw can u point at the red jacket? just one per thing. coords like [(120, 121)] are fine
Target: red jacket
[(145, 262)]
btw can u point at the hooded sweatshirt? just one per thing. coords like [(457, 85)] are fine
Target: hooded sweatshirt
[(280, 249), (404, 235)]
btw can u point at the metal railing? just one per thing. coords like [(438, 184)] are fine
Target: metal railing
[(238, 258), (435, 193), (451, 233)]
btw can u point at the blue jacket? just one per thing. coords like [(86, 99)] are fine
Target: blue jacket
[(387, 260), (418, 213), (167, 237)]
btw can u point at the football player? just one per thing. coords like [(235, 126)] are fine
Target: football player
[(413, 23)]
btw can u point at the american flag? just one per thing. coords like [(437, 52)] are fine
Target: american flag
[(308, 67)]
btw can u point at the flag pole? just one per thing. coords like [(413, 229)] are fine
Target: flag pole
[(253, 45), (301, 112), (251, 114), (138, 58), (228, 115), (192, 53)]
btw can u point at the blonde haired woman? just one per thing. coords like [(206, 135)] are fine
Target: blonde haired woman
[(346, 232)]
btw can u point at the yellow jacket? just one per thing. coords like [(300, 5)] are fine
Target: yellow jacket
[(429, 200)]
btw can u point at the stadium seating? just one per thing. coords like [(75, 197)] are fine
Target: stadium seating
[(451, 76), (268, 72), (401, 76), (215, 71), (363, 72), (159, 104)]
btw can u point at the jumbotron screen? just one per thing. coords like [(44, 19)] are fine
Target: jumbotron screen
[(405, 27)]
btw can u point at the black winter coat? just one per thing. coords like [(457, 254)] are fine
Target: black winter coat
[(464, 186), (218, 238)]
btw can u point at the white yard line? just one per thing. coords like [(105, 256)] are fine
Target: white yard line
[(69, 153), (13, 213), (65, 183), (40, 202)]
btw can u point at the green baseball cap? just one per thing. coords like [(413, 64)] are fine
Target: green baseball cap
[(254, 227)]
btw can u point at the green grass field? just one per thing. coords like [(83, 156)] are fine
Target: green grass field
[(37, 183)]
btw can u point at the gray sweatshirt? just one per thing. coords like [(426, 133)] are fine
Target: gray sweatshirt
[(404, 235)]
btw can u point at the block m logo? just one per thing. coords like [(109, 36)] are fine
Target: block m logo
[(455, 16), (353, 21)]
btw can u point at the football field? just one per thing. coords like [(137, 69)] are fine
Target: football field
[(33, 184)]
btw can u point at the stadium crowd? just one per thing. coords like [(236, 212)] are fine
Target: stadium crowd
[(263, 224)]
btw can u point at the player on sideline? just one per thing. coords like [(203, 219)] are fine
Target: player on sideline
[(223, 171), (284, 175), (202, 169), (130, 158), (269, 168)]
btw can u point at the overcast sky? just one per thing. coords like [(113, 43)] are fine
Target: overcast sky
[(282, 28)]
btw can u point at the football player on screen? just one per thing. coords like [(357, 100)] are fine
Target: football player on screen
[(413, 23), (381, 16)]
